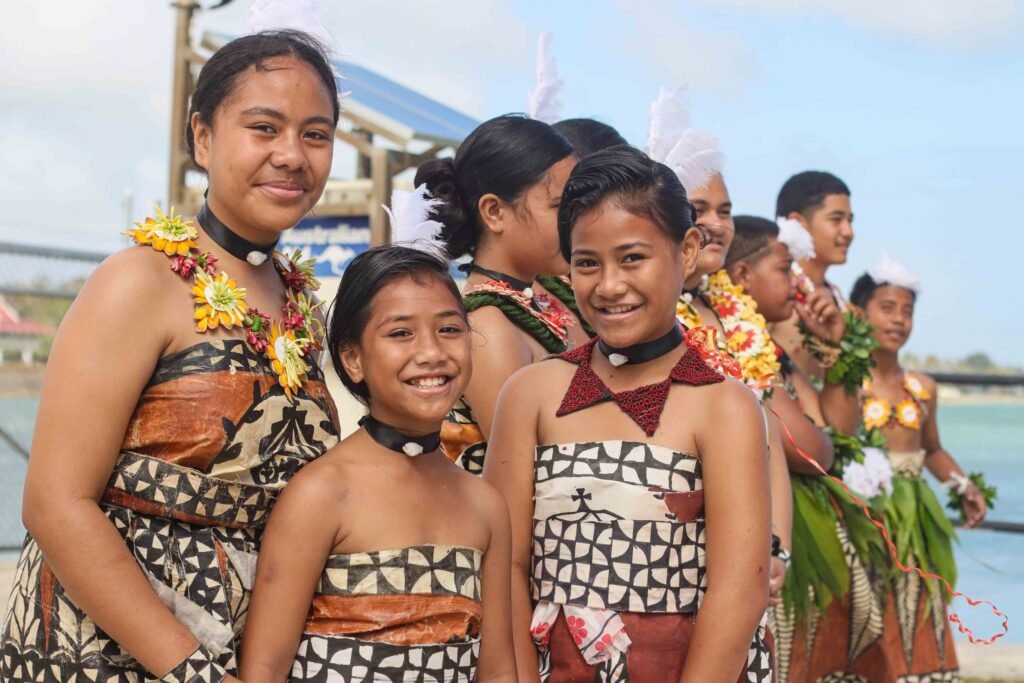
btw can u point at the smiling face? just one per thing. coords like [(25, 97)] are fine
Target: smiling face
[(768, 278), (714, 217), (891, 312), (627, 274), (268, 149), (413, 355), (831, 228)]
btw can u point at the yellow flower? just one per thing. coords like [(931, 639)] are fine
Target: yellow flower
[(876, 412), (167, 233), (915, 388), (219, 301), (907, 414), (287, 359), (687, 314)]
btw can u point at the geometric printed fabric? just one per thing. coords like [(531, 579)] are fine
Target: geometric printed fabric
[(210, 411), (431, 569), (333, 659)]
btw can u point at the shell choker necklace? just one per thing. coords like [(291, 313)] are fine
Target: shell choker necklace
[(398, 441)]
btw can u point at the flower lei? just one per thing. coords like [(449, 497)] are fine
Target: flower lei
[(542, 317), (878, 412), (746, 332), (847, 362), (220, 302)]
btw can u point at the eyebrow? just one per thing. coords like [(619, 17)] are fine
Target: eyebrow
[(401, 318), (622, 247), (275, 114)]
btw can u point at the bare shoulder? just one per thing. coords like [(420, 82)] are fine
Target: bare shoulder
[(543, 378), (490, 321), (320, 483), (727, 402), (928, 382), (484, 498)]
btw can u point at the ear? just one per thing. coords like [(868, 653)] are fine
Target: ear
[(798, 217), (352, 360), (689, 252), (741, 274), (201, 136), (493, 213)]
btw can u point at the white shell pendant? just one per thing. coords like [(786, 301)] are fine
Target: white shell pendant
[(256, 258), (528, 292), (617, 359), (412, 449), (687, 297)]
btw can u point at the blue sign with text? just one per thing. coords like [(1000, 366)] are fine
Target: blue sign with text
[(332, 240)]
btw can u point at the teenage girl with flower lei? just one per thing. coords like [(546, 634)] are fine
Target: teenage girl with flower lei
[(902, 404), (145, 515), (500, 197), (384, 584), (624, 522)]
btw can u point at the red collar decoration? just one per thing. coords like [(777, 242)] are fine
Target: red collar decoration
[(643, 404)]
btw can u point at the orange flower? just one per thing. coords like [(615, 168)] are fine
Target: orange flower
[(876, 412), (908, 414), (287, 357), (915, 388), (219, 301), (167, 233)]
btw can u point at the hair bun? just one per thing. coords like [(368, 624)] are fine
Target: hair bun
[(439, 177)]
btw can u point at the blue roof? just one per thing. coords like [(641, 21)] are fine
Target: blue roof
[(429, 119)]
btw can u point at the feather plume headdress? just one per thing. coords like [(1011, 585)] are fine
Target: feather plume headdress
[(411, 224), (693, 154), (301, 15), (890, 272), (794, 235), (544, 104)]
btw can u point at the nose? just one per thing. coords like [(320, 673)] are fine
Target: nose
[(610, 284), (429, 351), (288, 152)]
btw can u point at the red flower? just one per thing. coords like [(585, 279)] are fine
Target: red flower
[(208, 262), (541, 634), (577, 629), (293, 279), (183, 265), (258, 341), (604, 643)]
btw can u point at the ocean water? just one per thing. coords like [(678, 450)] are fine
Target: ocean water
[(988, 438)]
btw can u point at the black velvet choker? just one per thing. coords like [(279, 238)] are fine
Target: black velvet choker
[(230, 241), (644, 352), (515, 283), (389, 437)]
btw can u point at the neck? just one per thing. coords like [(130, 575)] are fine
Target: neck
[(887, 363), (228, 218), (494, 259), (404, 424), (815, 270)]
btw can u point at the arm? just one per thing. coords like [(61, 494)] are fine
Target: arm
[(509, 467), (498, 351), (806, 434), (823, 319), (497, 654), (942, 465), (782, 506), (102, 358), (292, 556), (732, 444)]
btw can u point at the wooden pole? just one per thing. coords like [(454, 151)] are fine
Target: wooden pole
[(180, 90), (380, 172)]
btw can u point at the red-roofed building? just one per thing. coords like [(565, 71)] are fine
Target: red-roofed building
[(17, 334)]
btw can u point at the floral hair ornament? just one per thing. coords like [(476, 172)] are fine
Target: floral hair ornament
[(543, 103), (794, 235), (411, 224), (889, 272), (693, 154)]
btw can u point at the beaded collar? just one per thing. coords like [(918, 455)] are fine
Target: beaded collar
[(540, 316), (645, 404)]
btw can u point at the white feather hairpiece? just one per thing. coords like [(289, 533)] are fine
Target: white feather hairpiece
[(693, 154), (890, 272), (544, 104), (794, 235), (301, 15), (411, 224)]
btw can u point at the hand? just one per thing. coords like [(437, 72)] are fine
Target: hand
[(821, 316), (776, 576), (974, 506)]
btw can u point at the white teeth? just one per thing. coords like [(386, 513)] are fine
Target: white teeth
[(427, 382), (619, 309)]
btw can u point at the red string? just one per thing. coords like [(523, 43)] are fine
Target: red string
[(953, 616)]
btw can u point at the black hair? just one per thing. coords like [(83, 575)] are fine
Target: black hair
[(753, 234), (864, 290), (219, 76), (805, 193), (505, 157), (366, 275), (638, 184), (588, 136)]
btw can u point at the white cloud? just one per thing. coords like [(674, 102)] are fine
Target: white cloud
[(956, 23)]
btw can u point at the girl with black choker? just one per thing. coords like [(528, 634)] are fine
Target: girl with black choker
[(501, 194), (179, 400), (386, 584), (624, 523)]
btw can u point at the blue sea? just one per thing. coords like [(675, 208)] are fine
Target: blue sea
[(989, 438)]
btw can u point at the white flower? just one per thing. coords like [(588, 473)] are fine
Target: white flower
[(855, 476), (879, 470), (794, 235)]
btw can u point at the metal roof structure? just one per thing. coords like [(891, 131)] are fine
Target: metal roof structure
[(378, 104)]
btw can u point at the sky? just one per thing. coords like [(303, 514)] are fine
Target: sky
[(914, 103)]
